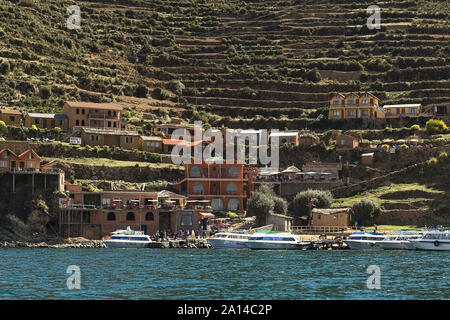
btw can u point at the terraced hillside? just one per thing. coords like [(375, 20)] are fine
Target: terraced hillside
[(233, 63)]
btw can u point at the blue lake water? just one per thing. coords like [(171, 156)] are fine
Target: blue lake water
[(222, 274)]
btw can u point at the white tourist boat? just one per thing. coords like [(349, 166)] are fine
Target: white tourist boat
[(128, 239), (399, 241), (274, 240), (433, 240), (229, 240), (364, 240)]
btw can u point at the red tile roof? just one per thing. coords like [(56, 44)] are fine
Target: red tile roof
[(10, 111), (182, 142)]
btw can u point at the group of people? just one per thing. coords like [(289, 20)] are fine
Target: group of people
[(180, 235)]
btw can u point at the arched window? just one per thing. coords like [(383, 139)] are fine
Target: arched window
[(198, 187), (231, 187), (130, 216), (195, 171), (233, 172), (111, 216), (77, 122), (149, 216), (217, 204), (233, 204)]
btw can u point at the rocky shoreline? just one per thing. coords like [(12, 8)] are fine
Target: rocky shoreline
[(188, 243)]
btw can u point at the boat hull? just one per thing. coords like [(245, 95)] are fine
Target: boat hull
[(227, 243), (260, 245), (126, 244), (396, 245), (431, 245), (362, 245)]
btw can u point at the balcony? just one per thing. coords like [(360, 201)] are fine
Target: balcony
[(103, 117)]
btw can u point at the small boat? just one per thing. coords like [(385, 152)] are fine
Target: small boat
[(399, 241), (128, 239), (229, 240), (364, 240), (433, 240), (274, 240)]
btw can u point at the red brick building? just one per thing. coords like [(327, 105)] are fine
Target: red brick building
[(226, 186)]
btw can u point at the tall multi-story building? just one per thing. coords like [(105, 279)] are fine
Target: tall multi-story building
[(226, 186), (94, 115), (355, 106)]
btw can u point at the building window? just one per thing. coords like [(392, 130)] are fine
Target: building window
[(350, 102), (336, 113), (233, 172), (231, 187), (12, 119), (61, 122), (115, 125), (195, 171), (233, 204), (82, 111), (186, 219), (350, 112), (412, 110), (82, 122), (364, 101), (109, 124), (77, 123), (130, 216), (78, 111), (217, 204), (335, 102), (36, 121), (92, 138), (344, 142), (111, 216), (131, 139), (97, 138), (149, 216), (198, 187)]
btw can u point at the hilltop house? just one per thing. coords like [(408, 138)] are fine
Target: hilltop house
[(286, 137), (93, 115), (346, 142), (402, 110), (26, 161), (113, 138), (355, 106), (47, 120), (11, 117)]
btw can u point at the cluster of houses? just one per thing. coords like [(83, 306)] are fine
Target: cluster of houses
[(367, 106)]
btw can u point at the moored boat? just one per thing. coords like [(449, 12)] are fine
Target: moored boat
[(229, 240), (433, 240), (399, 241), (274, 240), (128, 239), (361, 240)]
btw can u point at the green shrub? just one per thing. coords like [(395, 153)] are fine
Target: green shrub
[(415, 127), (141, 91), (3, 128), (435, 126), (365, 209), (319, 198)]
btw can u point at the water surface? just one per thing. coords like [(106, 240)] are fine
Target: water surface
[(40, 273)]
